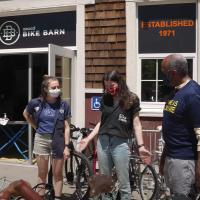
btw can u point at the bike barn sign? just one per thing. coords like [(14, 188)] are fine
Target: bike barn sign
[(38, 30)]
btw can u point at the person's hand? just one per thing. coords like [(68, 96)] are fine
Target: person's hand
[(66, 153), (82, 144), (145, 155), (197, 175)]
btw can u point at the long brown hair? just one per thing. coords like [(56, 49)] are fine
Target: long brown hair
[(127, 98)]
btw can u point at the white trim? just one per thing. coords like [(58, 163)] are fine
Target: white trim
[(79, 76), (162, 55), (21, 7), (91, 90), (155, 2), (37, 11), (131, 46), (198, 41), (30, 50), (152, 109)]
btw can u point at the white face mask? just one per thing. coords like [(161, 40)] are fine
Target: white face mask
[(54, 92)]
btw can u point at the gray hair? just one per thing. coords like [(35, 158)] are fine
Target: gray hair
[(179, 63)]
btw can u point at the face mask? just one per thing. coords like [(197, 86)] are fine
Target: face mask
[(167, 79), (113, 91), (54, 92)]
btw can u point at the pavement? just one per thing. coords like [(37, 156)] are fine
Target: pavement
[(15, 169)]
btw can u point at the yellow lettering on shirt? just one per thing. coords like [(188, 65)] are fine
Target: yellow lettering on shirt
[(171, 106)]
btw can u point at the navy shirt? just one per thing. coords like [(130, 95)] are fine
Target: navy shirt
[(181, 115), (47, 114), (46, 119)]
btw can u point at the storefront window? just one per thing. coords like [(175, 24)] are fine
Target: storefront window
[(153, 88)]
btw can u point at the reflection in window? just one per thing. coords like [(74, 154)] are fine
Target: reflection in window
[(153, 88)]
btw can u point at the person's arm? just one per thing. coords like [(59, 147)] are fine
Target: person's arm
[(29, 119), (84, 142), (197, 166), (144, 153), (138, 129), (19, 188), (67, 140)]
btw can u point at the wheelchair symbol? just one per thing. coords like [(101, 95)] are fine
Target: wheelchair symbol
[(95, 103)]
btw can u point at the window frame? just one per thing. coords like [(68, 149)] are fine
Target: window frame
[(155, 109)]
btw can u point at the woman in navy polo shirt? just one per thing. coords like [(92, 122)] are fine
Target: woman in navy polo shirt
[(119, 120), (49, 115)]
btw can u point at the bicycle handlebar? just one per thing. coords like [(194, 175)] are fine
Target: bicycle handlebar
[(83, 131)]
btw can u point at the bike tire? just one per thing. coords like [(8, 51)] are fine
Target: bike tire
[(148, 184), (82, 170)]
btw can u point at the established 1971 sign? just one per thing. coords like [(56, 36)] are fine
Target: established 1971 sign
[(167, 28)]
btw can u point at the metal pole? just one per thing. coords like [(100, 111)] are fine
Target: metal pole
[(29, 98)]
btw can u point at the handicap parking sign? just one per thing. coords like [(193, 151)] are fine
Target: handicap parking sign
[(95, 102)]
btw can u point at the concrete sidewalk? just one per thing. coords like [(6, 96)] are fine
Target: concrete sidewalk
[(18, 169)]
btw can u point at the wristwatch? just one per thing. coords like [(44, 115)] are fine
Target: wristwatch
[(67, 145)]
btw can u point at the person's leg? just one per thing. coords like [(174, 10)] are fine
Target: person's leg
[(104, 158), (42, 163), (121, 156), (180, 177), (57, 167), (42, 150)]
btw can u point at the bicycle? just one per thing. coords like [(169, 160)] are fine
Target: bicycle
[(80, 168), (163, 192), (77, 187), (143, 178)]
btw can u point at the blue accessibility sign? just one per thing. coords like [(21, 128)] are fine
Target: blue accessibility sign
[(95, 103)]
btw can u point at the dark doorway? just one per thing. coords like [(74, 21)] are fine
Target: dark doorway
[(14, 82), (40, 68), (13, 85)]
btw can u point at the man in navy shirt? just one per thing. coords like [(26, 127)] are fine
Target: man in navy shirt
[(180, 161)]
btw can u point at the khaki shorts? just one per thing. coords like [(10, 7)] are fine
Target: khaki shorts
[(42, 144)]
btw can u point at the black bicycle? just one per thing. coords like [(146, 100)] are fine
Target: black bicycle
[(143, 178), (77, 170)]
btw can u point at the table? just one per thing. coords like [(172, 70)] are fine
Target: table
[(14, 136)]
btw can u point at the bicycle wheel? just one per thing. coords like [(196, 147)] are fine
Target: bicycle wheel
[(82, 170), (148, 184), (47, 190)]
